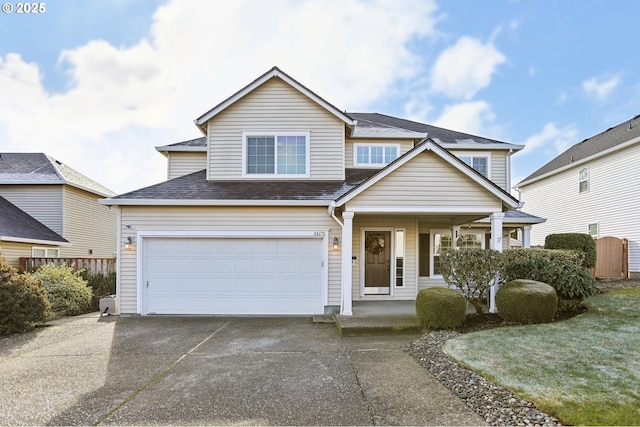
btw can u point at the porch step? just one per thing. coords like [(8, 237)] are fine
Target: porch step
[(349, 326)]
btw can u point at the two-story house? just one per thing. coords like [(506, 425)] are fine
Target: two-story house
[(62, 200), (288, 205), (592, 187)]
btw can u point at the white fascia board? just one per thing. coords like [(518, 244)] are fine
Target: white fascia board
[(178, 202), (580, 162), (168, 148), (33, 241), (273, 73), (311, 234), (471, 210), (478, 146), (513, 221), (387, 135)]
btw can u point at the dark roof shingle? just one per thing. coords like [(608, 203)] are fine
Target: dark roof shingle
[(15, 223)]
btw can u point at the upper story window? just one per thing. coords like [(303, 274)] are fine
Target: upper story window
[(583, 178), (478, 162), (277, 154), (376, 155)]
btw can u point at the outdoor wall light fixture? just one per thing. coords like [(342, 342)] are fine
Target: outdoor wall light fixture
[(336, 243), (130, 243)]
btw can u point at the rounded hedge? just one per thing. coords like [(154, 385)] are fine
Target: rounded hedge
[(67, 290), (440, 308), (526, 301)]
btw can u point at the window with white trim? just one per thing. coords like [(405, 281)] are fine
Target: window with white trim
[(442, 243), (478, 162), (376, 155), (399, 257), (277, 154), (45, 252), (593, 229), (583, 180)]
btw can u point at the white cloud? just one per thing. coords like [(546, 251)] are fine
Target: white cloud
[(471, 117), (551, 140), (600, 89), (123, 101), (465, 68)]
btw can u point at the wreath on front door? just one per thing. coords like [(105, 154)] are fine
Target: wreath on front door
[(375, 243)]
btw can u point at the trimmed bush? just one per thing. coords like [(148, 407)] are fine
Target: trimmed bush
[(440, 308), (67, 290), (526, 301), (561, 269), (23, 301), (574, 241), (473, 271)]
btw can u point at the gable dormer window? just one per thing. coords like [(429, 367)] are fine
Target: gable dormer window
[(283, 154), (374, 155)]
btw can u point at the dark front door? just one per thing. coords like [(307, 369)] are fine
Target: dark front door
[(377, 264)]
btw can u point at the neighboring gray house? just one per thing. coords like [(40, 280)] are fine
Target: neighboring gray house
[(288, 205), (61, 199), (593, 187)]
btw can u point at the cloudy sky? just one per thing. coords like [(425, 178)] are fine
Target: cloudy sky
[(98, 84)]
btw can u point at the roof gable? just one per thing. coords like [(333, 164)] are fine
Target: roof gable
[(612, 139), (275, 72), (429, 145)]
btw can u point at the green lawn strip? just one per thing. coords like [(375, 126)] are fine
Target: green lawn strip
[(584, 371)]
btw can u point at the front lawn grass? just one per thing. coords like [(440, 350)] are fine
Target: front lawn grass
[(584, 371)]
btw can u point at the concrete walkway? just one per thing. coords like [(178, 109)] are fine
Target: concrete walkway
[(216, 371)]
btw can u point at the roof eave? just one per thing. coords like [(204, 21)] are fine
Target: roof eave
[(212, 202), (476, 146), (34, 241)]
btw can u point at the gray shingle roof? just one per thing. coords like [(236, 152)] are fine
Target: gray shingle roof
[(196, 187), (17, 224), (189, 144), (437, 133), (38, 168), (606, 140)]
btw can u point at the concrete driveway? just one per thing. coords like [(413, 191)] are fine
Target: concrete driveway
[(215, 371)]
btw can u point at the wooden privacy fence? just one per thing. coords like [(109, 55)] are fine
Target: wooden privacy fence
[(613, 258), (92, 265)]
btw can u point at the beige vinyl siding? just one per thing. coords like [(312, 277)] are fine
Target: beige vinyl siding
[(212, 219), (426, 182), (408, 224), (405, 145), (43, 202), (612, 201), (184, 163), (276, 107), (13, 251), (88, 225)]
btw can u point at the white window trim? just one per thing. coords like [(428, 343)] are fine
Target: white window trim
[(432, 245), (46, 250), (275, 175), (372, 144), (473, 154), (597, 229), (580, 181), (395, 258)]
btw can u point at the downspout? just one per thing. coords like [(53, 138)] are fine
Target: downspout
[(332, 212), (508, 165)]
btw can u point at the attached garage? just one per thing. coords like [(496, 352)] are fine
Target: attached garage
[(232, 275)]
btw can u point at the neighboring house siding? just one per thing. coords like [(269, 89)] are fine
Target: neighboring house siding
[(612, 201), (88, 225), (405, 145), (276, 107), (12, 251), (43, 202), (426, 182), (184, 163), (201, 219)]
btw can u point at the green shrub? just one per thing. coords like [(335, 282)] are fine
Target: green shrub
[(526, 301), (23, 301), (473, 271), (67, 290), (440, 308), (574, 241), (561, 269), (101, 285)]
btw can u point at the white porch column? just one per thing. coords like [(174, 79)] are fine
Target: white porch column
[(347, 253), (526, 237), (496, 244)]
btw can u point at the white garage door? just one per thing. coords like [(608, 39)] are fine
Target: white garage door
[(232, 276)]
